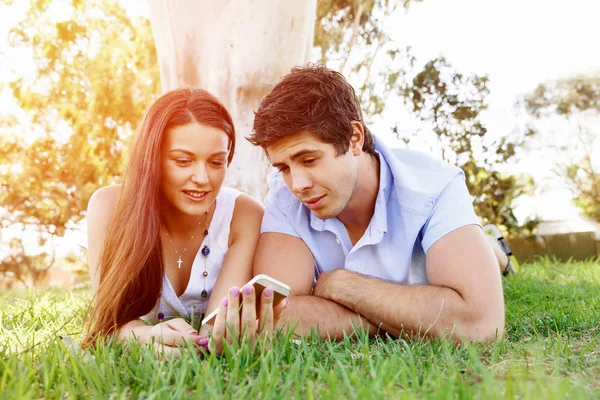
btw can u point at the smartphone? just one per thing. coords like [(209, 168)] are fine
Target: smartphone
[(260, 283)]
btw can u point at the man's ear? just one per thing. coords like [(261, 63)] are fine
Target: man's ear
[(358, 138)]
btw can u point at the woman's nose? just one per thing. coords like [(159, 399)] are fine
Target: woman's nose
[(200, 176)]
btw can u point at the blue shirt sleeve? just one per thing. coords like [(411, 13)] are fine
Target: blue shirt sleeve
[(453, 209), (274, 220)]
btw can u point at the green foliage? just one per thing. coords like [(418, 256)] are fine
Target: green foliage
[(494, 193), (565, 96), (571, 98), (551, 350), (350, 37), (95, 73), (586, 183), (452, 103)]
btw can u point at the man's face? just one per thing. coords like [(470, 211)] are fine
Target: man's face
[(310, 169)]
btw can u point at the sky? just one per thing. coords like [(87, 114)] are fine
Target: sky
[(517, 43)]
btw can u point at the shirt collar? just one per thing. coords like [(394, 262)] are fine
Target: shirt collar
[(386, 185)]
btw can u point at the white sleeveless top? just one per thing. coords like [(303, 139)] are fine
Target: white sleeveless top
[(190, 304)]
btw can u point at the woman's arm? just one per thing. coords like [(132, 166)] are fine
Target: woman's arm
[(135, 329), (100, 210), (165, 337), (243, 239)]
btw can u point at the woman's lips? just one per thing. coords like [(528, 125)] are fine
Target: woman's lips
[(195, 196)]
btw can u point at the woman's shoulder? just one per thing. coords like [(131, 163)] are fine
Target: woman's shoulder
[(101, 207), (104, 200), (230, 192), (245, 203), (247, 211), (242, 202), (246, 219)]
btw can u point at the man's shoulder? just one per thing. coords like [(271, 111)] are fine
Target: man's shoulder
[(419, 178), (420, 172), (418, 160)]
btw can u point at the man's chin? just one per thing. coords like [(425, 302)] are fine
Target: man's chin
[(324, 214)]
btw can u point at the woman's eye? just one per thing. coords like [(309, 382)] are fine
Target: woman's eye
[(183, 161), (218, 163)]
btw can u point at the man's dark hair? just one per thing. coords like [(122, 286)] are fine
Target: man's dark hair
[(310, 99)]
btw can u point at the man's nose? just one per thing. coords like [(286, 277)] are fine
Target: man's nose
[(300, 182)]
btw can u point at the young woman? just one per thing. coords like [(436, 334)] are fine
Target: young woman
[(171, 243)]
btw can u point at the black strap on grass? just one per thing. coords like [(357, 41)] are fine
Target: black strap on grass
[(508, 265)]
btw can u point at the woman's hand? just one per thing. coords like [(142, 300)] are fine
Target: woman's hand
[(231, 326), (166, 336)]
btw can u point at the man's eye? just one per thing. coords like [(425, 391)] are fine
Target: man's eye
[(310, 161), (283, 170)]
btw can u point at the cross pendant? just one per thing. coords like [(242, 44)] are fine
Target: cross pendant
[(179, 262)]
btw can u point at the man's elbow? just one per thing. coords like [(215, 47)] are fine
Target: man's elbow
[(486, 329), (483, 319)]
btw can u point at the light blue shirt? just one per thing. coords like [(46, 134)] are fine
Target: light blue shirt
[(420, 200)]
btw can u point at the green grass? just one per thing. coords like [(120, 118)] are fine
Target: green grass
[(551, 350)]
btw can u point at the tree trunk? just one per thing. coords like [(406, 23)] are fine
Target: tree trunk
[(237, 50)]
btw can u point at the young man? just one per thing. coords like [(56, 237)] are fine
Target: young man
[(390, 237)]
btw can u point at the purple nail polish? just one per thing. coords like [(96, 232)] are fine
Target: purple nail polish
[(268, 292), (285, 303), (224, 302), (247, 290), (235, 292), (203, 342)]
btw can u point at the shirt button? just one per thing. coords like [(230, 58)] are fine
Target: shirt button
[(338, 241)]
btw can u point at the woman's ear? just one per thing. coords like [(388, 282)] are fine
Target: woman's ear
[(358, 138)]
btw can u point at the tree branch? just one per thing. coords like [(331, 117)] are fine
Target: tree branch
[(379, 44), (355, 26)]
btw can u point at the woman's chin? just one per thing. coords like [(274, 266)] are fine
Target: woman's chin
[(183, 205), (196, 208)]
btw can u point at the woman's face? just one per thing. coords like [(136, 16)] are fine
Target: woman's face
[(194, 164)]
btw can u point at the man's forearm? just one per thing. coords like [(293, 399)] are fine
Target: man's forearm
[(325, 317), (405, 310)]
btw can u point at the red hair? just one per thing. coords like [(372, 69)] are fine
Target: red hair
[(130, 264)]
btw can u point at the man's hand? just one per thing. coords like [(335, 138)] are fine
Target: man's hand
[(325, 286)]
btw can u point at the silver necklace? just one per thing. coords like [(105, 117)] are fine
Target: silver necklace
[(179, 260), (205, 252)]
